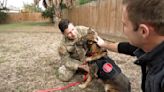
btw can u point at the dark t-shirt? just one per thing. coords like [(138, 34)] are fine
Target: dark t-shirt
[(126, 48)]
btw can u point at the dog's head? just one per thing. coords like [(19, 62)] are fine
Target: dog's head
[(88, 42), (88, 39), (91, 35)]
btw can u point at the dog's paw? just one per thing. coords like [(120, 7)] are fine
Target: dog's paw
[(83, 86), (107, 88)]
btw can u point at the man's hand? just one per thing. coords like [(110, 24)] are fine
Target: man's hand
[(84, 67), (100, 41)]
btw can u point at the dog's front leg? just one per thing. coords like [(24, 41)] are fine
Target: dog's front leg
[(88, 59), (109, 88), (86, 83)]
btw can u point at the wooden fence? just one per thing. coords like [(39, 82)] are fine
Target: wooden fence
[(23, 17), (103, 15)]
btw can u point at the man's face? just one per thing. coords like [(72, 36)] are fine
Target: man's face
[(134, 37), (71, 32)]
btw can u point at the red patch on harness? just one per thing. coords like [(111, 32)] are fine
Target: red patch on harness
[(107, 67)]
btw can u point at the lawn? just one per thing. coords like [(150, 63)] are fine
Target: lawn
[(23, 25)]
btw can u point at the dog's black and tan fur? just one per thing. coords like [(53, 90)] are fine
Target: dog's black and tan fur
[(93, 52)]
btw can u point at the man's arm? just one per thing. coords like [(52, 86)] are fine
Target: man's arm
[(120, 47), (67, 60), (108, 45)]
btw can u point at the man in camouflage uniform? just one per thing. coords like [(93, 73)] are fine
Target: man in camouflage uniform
[(71, 55)]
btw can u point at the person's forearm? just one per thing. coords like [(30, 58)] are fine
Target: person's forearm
[(108, 45), (67, 60), (111, 46)]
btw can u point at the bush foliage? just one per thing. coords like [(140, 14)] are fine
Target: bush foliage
[(31, 8), (3, 16), (49, 13), (81, 2)]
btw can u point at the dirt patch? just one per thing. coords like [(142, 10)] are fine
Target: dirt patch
[(29, 59)]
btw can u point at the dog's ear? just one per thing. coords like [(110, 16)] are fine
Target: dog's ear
[(92, 35), (92, 31)]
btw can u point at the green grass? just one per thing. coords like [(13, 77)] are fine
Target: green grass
[(27, 25), (38, 23), (85, 1)]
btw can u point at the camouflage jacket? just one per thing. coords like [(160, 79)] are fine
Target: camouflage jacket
[(71, 55)]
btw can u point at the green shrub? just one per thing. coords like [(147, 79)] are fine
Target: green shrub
[(3, 17), (63, 6), (49, 13), (81, 2), (31, 8)]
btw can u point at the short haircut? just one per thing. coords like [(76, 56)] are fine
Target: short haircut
[(63, 24), (149, 12)]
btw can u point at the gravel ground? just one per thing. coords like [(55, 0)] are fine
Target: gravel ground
[(29, 59)]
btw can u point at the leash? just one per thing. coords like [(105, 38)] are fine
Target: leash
[(60, 88), (64, 87)]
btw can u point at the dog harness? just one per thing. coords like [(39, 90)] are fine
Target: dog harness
[(107, 69)]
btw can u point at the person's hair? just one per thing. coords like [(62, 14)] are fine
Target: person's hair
[(63, 24), (150, 12)]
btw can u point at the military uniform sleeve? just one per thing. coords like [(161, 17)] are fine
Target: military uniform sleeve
[(66, 59), (82, 30)]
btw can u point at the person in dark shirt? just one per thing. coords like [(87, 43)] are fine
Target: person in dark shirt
[(143, 24)]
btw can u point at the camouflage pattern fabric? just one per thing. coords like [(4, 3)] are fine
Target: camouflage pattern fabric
[(71, 55)]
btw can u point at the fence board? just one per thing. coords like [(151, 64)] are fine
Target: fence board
[(103, 15), (21, 17)]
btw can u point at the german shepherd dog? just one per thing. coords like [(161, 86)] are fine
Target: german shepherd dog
[(101, 66)]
